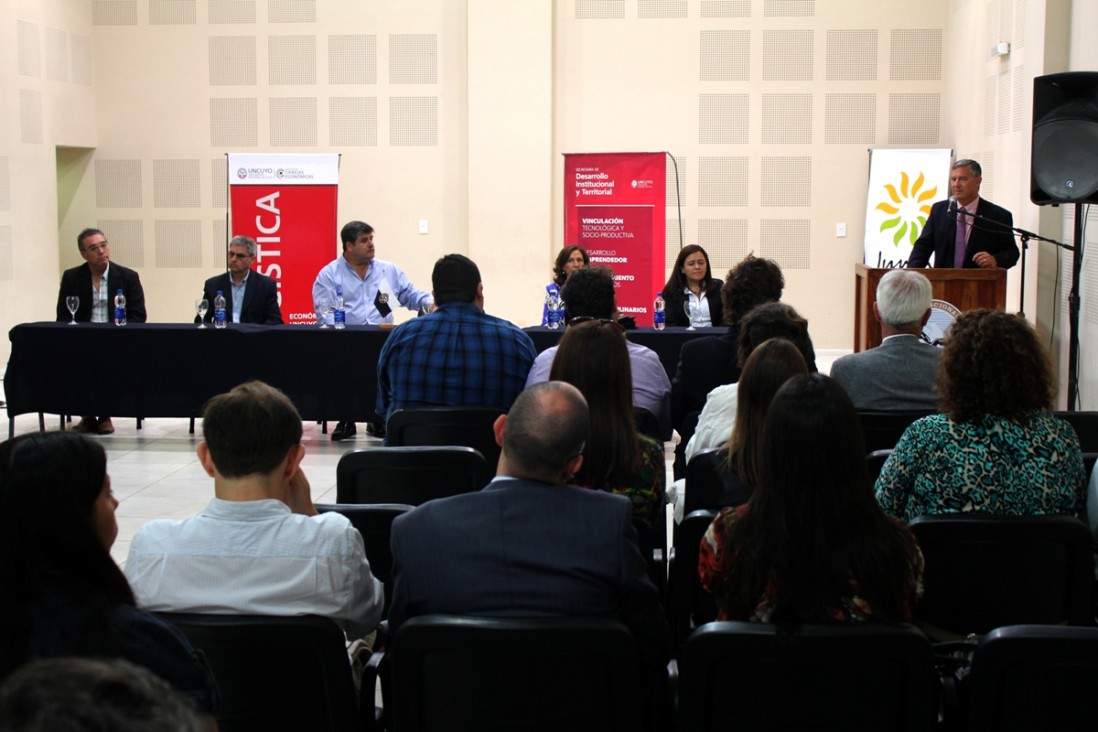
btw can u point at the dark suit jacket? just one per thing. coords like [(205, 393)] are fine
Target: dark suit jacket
[(991, 235), (520, 548), (676, 314), (77, 281), (260, 299), (704, 364)]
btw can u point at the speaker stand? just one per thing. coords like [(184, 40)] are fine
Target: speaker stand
[(1073, 310)]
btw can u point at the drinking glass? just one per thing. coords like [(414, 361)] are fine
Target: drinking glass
[(202, 307), (323, 307), (691, 308), (72, 302)]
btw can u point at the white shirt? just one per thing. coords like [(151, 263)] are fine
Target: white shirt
[(715, 421), (702, 317), (359, 293), (256, 557), (102, 300)]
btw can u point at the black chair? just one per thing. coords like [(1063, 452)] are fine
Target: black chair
[(688, 604), (1089, 460), (470, 426), (883, 429), (874, 462), (1034, 677), (279, 673), (985, 571), (653, 545), (751, 676), (375, 522), (459, 673), (703, 483), (411, 475), (647, 424), (1086, 426)]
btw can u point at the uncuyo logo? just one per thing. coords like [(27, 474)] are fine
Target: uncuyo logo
[(908, 209)]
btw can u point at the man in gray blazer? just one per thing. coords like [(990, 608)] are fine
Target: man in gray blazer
[(529, 545), (899, 373)]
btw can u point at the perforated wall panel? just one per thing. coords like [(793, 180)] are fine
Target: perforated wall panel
[(725, 55), (293, 122), (723, 119), (291, 11), (219, 245), (114, 12), (680, 163), (352, 59), (127, 240), (176, 184), (352, 121), (991, 94), (722, 181), (913, 119), (1018, 93), (219, 172), (5, 186), (850, 119), (916, 54), (29, 49), (674, 240), (725, 241), (787, 55), (787, 241), (1004, 108), (852, 55), (291, 59), (173, 12), (57, 54), (786, 181), (789, 8), (413, 59), (787, 119), (30, 116), (81, 60), (178, 243), (661, 9), (118, 183), (233, 122), (594, 9), (231, 11), (7, 268), (413, 121), (232, 60)]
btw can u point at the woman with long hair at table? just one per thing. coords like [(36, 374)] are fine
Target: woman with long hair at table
[(63, 593), (593, 358), (812, 545), (569, 259), (692, 281)]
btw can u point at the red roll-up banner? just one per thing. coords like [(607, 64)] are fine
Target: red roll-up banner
[(615, 208), (287, 203)]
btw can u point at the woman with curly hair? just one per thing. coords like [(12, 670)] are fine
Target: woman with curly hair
[(996, 447), (812, 545), (692, 280), (569, 259)]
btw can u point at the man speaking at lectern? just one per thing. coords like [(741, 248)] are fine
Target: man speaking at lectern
[(966, 230)]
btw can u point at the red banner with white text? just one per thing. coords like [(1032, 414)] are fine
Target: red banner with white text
[(615, 208), (287, 203)]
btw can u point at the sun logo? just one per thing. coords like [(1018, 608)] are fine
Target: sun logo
[(909, 208)]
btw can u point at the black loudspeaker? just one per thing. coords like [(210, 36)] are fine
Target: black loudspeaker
[(1064, 157)]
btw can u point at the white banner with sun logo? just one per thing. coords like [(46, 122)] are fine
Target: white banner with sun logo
[(902, 186)]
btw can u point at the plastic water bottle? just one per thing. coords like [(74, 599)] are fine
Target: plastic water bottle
[(219, 311), (553, 309), (119, 308), (561, 316), (340, 313), (659, 317)]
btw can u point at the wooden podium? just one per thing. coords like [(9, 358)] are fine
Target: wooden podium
[(965, 289)]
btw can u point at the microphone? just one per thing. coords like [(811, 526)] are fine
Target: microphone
[(952, 206)]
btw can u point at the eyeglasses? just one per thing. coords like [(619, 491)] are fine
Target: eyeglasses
[(605, 321), (238, 255)]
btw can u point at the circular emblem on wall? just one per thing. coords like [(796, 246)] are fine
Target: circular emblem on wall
[(942, 315), (241, 173)]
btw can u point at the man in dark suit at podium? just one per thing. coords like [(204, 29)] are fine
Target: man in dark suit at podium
[(966, 230), (249, 296)]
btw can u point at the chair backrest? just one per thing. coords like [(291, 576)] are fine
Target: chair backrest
[(985, 571), (874, 461), (1029, 677), (411, 475), (276, 672), (375, 522), (688, 604), (458, 673), (1085, 425), (470, 426), (883, 429), (647, 423), (703, 483), (750, 676)]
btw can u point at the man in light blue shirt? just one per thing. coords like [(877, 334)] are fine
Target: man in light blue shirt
[(371, 288)]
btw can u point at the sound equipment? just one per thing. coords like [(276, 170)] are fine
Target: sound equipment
[(1064, 159)]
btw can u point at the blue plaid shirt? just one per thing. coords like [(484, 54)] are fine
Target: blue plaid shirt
[(458, 356)]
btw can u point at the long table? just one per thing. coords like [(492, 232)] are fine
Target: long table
[(170, 370)]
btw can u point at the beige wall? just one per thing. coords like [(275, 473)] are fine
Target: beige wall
[(109, 119)]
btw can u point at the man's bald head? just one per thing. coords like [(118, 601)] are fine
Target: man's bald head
[(545, 430)]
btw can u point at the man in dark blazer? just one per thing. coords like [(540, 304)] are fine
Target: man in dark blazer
[(989, 241), (899, 373), (260, 304), (96, 282), (529, 545)]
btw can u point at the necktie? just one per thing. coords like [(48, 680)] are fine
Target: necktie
[(959, 245)]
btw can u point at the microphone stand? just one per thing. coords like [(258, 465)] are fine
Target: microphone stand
[(1073, 295)]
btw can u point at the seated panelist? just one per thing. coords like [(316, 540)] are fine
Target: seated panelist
[(250, 297)]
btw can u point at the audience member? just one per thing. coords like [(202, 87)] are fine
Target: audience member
[(569, 259), (770, 320), (529, 545), (812, 546), (692, 281), (63, 594), (996, 447), (93, 695), (899, 373), (259, 547), (368, 286), (706, 363), (250, 297), (736, 464), (589, 295), (456, 356), (593, 358), (95, 283)]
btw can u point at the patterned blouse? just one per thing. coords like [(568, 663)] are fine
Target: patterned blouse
[(994, 464), (648, 489), (716, 560)]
